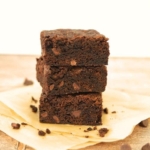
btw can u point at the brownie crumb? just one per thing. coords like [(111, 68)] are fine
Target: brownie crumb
[(33, 99), (86, 136), (15, 125), (89, 129), (125, 147), (105, 110), (41, 133), (24, 123), (103, 131), (34, 108), (27, 82), (144, 123), (48, 131), (95, 128), (146, 147), (113, 112), (85, 131)]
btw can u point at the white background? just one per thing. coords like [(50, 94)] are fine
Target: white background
[(125, 22)]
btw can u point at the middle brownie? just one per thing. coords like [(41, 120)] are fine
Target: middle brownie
[(71, 80)]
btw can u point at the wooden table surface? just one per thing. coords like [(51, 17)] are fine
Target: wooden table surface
[(126, 74)]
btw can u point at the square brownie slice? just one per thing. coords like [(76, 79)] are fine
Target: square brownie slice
[(68, 47), (81, 109), (71, 80)]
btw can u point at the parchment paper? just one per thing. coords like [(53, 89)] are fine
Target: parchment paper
[(15, 107)]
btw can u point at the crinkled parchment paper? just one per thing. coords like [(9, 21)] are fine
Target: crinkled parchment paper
[(15, 107)]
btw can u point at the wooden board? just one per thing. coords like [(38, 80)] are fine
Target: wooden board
[(127, 74)]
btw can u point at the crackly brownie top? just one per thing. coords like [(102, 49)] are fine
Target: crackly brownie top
[(72, 33)]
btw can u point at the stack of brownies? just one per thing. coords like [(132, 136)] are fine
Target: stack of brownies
[(73, 75)]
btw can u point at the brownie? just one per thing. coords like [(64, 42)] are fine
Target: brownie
[(66, 47), (72, 79), (78, 109)]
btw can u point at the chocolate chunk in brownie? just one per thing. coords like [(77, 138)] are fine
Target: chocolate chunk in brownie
[(80, 109), (70, 80), (66, 47)]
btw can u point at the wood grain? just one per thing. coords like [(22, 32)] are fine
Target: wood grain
[(126, 74)]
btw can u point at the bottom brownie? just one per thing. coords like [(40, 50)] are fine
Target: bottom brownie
[(81, 109)]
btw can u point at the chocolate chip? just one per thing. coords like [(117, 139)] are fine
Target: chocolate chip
[(56, 119), (86, 136), (43, 52), (47, 70), (144, 123), (125, 147), (113, 112), (41, 133), (61, 84), (51, 87), (44, 114), (89, 129), (27, 82), (77, 70), (146, 147), (95, 128), (56, 51), (48, 131), (103, 131), (15, 125), (105, 110), (85, 131), (33, 99), (34, 108), (76, 113), (24, 123)]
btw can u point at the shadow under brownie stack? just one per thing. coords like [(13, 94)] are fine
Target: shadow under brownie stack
[(73, 75)]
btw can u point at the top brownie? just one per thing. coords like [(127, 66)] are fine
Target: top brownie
[(66, 47)]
